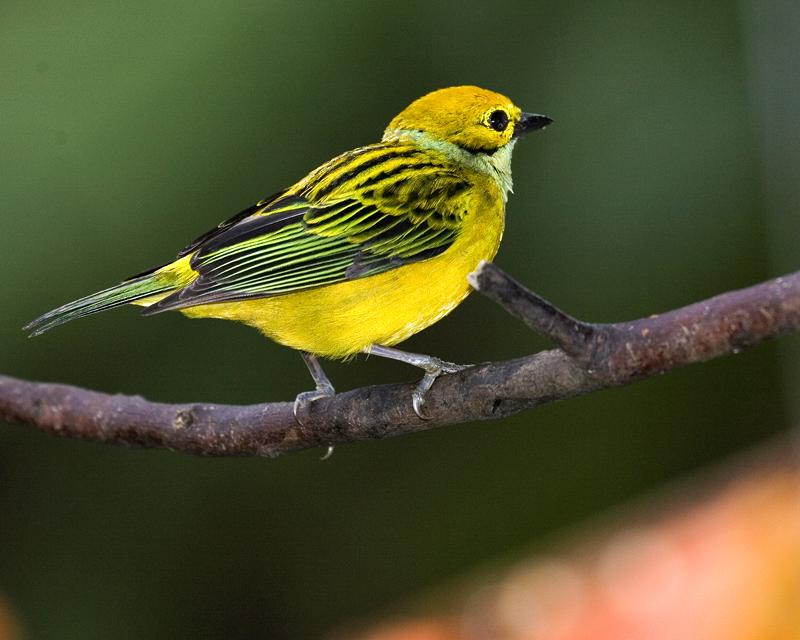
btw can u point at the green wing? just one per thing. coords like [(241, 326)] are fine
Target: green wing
[(370, 211)]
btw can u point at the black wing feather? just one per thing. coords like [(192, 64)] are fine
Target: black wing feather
[(288, 243)]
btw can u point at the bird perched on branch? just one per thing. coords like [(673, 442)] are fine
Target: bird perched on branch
[(362, 253)]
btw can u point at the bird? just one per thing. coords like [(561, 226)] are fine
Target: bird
[(365, 251)]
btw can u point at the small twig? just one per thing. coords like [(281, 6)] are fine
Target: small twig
[(591, 357), (566, 332)]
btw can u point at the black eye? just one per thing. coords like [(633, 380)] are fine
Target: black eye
[(498, 120)]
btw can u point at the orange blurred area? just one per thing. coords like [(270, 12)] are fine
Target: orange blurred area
[(717, 558), (8, 627)]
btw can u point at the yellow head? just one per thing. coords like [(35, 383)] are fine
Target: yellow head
[(474, 119)]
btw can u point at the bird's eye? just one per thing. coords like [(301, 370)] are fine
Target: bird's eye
[(498, 120)]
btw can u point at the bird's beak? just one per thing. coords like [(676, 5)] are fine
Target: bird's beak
[(530, 122)]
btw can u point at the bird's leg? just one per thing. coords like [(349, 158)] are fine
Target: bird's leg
[(324, 386), (433, 367)]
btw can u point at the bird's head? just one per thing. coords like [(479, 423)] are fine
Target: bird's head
[(474, 119)]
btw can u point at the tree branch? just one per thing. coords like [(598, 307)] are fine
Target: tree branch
[(590, 357)]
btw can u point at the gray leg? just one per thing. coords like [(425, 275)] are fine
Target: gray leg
[(433, 367), (324, 386)]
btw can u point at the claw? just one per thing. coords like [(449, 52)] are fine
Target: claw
[(306, 398), (328, 454), (418, 396)]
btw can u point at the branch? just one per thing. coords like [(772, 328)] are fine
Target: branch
[(590, 357)]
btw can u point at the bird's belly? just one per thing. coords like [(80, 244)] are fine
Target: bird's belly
[(343, 319)]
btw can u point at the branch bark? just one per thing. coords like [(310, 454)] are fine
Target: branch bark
[(590, 357)]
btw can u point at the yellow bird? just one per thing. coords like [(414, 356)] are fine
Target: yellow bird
[(362, 253)]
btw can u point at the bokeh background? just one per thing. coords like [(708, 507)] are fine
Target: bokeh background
[(128, 128)]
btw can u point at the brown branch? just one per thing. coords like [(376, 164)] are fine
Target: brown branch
[(590, 357)]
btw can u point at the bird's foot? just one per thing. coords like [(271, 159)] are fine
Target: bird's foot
[(303, 400), (324, 387), (433, 369)]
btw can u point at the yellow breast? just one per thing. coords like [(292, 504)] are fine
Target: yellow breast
[(343, 319)]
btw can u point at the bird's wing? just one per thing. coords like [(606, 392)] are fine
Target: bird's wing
[(320, 236)]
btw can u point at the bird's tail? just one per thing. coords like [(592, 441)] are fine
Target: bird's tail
[(143, 289)]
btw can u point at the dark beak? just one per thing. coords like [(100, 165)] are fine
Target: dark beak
[(530, 122)]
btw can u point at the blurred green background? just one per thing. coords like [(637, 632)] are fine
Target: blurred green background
[(128, 128)]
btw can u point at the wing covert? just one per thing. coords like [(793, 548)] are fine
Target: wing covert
[(394, 211)]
